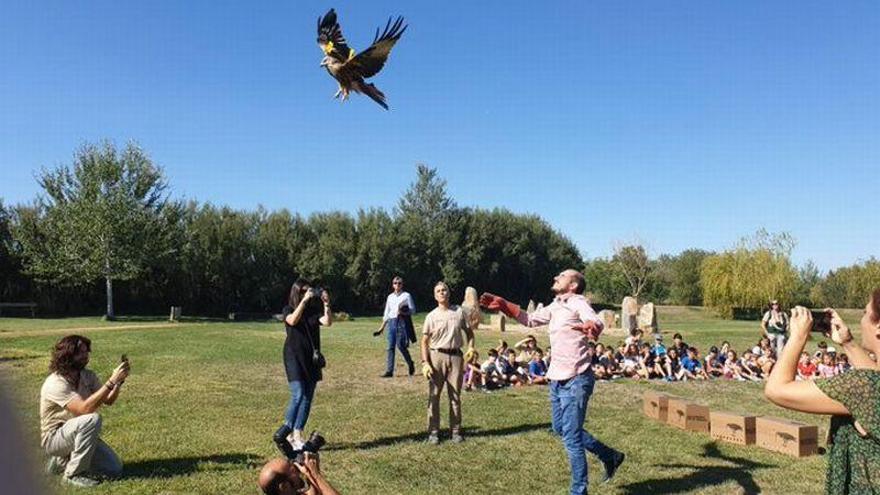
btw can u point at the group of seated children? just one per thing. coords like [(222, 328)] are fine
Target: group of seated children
[(824, 363), (636, 359), (524, 364)]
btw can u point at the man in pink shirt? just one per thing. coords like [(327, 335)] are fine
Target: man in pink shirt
[(572, 324)]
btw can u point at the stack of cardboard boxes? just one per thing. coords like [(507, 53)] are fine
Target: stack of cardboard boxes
[(779, 435)]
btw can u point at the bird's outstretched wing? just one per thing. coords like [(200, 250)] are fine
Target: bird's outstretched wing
[(370, 61), (330, 38)]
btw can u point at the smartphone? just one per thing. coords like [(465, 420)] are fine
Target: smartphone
[(821, 321)]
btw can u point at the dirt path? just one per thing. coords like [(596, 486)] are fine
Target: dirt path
[(61, 331)]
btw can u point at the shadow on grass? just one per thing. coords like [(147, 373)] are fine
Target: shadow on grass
[(180, 466), (5, 359), (469, 432), (737, 469)]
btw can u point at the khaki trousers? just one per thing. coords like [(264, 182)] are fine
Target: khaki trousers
[(78, 445), (448, 372)]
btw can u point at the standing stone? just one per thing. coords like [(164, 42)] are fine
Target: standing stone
[(609, 318), (648, 317), (531, 308), (629, 309), (497, 322), (471, 307)]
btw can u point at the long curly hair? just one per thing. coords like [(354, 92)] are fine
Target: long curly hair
[(64, 360)]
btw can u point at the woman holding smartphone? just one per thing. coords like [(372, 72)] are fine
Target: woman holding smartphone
[(851, 398)]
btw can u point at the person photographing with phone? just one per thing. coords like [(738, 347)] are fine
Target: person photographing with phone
[(851, 398), (70, 425)]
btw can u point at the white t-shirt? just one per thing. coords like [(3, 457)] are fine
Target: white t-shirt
[(56, 393)]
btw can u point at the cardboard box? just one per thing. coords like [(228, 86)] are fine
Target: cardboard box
[(688, 415), (788, 437), (732, 427), (656, 405)]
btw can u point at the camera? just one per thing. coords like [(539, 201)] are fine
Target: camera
[(314, 306), (312, 445), (821, 321)]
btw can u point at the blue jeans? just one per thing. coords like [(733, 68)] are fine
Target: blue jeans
[(396, 338), (568, 405), (301, 393)]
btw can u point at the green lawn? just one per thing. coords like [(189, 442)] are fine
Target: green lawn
[(204, 397)]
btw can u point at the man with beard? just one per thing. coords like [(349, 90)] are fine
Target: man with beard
[(572, 325), (69, 423)]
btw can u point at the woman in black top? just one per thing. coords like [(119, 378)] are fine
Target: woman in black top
[(303, 317)]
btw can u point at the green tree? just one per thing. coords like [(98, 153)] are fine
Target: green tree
[(605, 282), (756, 270), (96, 219), (686, 287), (633, 263)]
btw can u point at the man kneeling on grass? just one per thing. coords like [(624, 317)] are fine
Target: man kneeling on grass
[(70, 426)]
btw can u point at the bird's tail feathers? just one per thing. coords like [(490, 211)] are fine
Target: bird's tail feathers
[(373, 92)]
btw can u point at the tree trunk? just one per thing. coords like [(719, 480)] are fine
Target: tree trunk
[(110, 314)]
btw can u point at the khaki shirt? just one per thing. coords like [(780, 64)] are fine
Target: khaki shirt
[(56, 393), (445, 327)]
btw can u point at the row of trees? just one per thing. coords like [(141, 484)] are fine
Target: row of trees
[(105, 233)]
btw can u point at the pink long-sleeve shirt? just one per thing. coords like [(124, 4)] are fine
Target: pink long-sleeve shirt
[(570, 354)]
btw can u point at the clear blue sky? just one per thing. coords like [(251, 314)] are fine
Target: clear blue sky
[(683, 124)]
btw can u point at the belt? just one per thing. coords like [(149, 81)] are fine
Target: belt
[(451, 352)]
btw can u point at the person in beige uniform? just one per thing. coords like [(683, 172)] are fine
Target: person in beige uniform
[(443, 335), (70, 426)]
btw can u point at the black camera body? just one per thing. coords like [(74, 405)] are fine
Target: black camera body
[(821, 322), (314, 306), (312, 445)]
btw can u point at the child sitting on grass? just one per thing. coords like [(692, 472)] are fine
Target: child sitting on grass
[(492, 377), (537, 369), (714, 366), (843, 364), (732, 368), (473, 377), (806, 369), (827, 368)]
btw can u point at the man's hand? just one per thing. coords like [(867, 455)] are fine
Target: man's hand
[(801, 322), (427, 371), (377, 333), (325, 297), (840, 333), (589, 328), (498, 303)]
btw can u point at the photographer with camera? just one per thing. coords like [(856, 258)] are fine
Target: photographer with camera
[(307, 310), (286, 477), (852, 398), (69, 421)]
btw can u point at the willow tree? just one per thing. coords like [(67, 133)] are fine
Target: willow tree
[(757, 270), (99, 218)]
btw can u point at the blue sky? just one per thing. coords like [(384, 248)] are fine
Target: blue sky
[(682, 124)]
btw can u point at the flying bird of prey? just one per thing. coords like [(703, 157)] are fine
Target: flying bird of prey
[(350, 69)]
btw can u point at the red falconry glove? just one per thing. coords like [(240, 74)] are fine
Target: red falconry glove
[(498, 303), (589, 328)]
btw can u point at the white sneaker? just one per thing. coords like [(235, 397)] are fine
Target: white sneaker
[(294, 442), (55, 465), (81, 481)]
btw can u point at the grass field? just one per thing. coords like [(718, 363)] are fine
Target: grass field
[(204, 397)]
